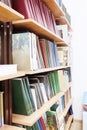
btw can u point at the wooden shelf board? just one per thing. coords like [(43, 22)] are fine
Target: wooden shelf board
[(44, 70), (54, 7), (30, 120), (18, 74), (67, 107), (62, 20), (69, 122), (9, 127), (9, 14), (31, 25)]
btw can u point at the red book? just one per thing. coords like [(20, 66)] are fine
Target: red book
[(47, 18), (33, 8), (40, 4), (30, 9), (54, 23), (38, 12), (22, 7), (44, 52), (42, 123)]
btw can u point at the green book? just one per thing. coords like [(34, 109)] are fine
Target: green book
[(52, 81), (52, 120), (26, 80), (56, 81), (21, 100)]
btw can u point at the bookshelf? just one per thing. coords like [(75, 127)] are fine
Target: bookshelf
[(7, 77), (30, 120), (33, 26), (69, 123), (58, 12), (8, 14), (8, 127), (20, 24)]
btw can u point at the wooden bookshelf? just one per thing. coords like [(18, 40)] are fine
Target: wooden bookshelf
[(9, 14), (62, 20), (9, 127), (31, 25), (57, 12), (54, 7), (30, 120), (45, 70), (18, 74), (67, 107), (69, 122)]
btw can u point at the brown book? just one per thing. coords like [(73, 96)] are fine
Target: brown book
[(44, 52)]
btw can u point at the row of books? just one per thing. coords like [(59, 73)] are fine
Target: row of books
[(37, 10), (64, 56), (1, 109), (34, 53), (64, 78), (67, 15), (64, 33), (55, 120), (41, 88)]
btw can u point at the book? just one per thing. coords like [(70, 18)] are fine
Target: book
[(39, 53), (35, 81), (21, 100), (1, 109), (42, 123), (54, 82), (7, 69), (22, 46), (47, 86), (23, 8), (64, 56), (62, 31), (52, 120), (44, 52)]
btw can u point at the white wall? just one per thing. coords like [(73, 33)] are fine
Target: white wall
[(78, 9)]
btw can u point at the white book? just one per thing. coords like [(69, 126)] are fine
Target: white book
[(62, 31), (34, 96), (43, 92), (22, 50), (7, 69)]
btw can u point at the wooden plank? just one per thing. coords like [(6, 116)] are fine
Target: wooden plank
[(9, 127), (54, 8), (30, 120), (9, 14), (44, 70), (18, 74), (69, 122), (31, 25)]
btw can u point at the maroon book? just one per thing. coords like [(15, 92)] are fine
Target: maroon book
[(42, 123), (22, 7), (40, 4)]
